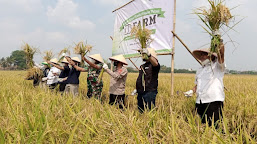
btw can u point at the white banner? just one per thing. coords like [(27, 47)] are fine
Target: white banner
[(157, 16)]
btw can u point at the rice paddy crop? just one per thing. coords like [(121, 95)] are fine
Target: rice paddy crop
[(34, 115), (216, 17), (143, 36)]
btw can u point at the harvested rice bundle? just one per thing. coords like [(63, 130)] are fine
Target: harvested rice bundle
[(143, 36), (29, 52), (82, 49), (63, 51), (34, 73), (217, 16), (48, 55)]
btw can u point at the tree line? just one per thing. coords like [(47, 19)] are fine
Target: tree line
[(16, 61)]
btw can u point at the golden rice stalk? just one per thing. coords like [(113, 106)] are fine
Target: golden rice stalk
[(217, 16), (65, 50), (48, 55), (82, 49), (100, 75), (29, 52), (143, 36), (34, 73)]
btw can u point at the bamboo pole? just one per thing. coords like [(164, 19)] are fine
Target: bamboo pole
[(123, 6), (134, 64), (173, 50), (186, 47)]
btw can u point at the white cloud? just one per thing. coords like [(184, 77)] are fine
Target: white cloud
[(26, 5), (65, 12)]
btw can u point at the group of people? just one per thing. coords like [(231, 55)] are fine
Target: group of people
[(209, 80)]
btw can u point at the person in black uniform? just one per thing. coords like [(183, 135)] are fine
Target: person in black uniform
[(147, 81)]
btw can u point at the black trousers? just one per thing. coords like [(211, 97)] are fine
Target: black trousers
[(146, 100), (210, 111), (117, 99), (52, 86), (62, 87)]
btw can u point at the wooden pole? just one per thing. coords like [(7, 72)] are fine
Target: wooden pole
[(186, 47), (123, 6), (111, 61), (173, 50), (134, 64)]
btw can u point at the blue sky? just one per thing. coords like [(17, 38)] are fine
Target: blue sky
[(55, 24)]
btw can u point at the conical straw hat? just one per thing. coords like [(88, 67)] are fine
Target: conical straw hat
[(197, 53), (76, 59), (97, 57), (119, 58), (153, 53), (64, 60), (54, 60)]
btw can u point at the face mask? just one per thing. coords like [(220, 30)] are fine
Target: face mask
[(115, 63), (205, 62)]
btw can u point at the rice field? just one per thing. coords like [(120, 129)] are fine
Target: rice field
[(34, 115)]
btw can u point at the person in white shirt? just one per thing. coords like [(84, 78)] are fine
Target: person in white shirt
[(209, 85), (52, 77)]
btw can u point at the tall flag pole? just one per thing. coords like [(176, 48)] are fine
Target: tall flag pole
[(173, 50)]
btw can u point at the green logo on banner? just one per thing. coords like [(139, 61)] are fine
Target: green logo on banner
[(153, 11)]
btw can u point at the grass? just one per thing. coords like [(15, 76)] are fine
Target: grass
[(32, 115)]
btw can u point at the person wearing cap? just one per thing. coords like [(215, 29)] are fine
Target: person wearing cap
[(147, 81), (72, 81), (52, 77), (94, 87), (46, 69), (209, 85), (64, 73), (118, 80)]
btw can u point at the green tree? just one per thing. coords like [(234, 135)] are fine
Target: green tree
[(19, 60), (3, 62)]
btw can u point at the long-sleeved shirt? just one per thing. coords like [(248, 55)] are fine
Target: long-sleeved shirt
[(209, 81), (53, 75), (118, 81)]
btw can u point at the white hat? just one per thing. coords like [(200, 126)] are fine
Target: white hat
[(153, 53), (97, 57), (76, 59), (64, 60), (197, 53), (54, 60), (119, 58)]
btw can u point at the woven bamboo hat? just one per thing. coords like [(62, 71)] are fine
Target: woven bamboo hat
[(119, 58), (197, 53), (97, 57), (54, 60), (76, 59), (65, 60)]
